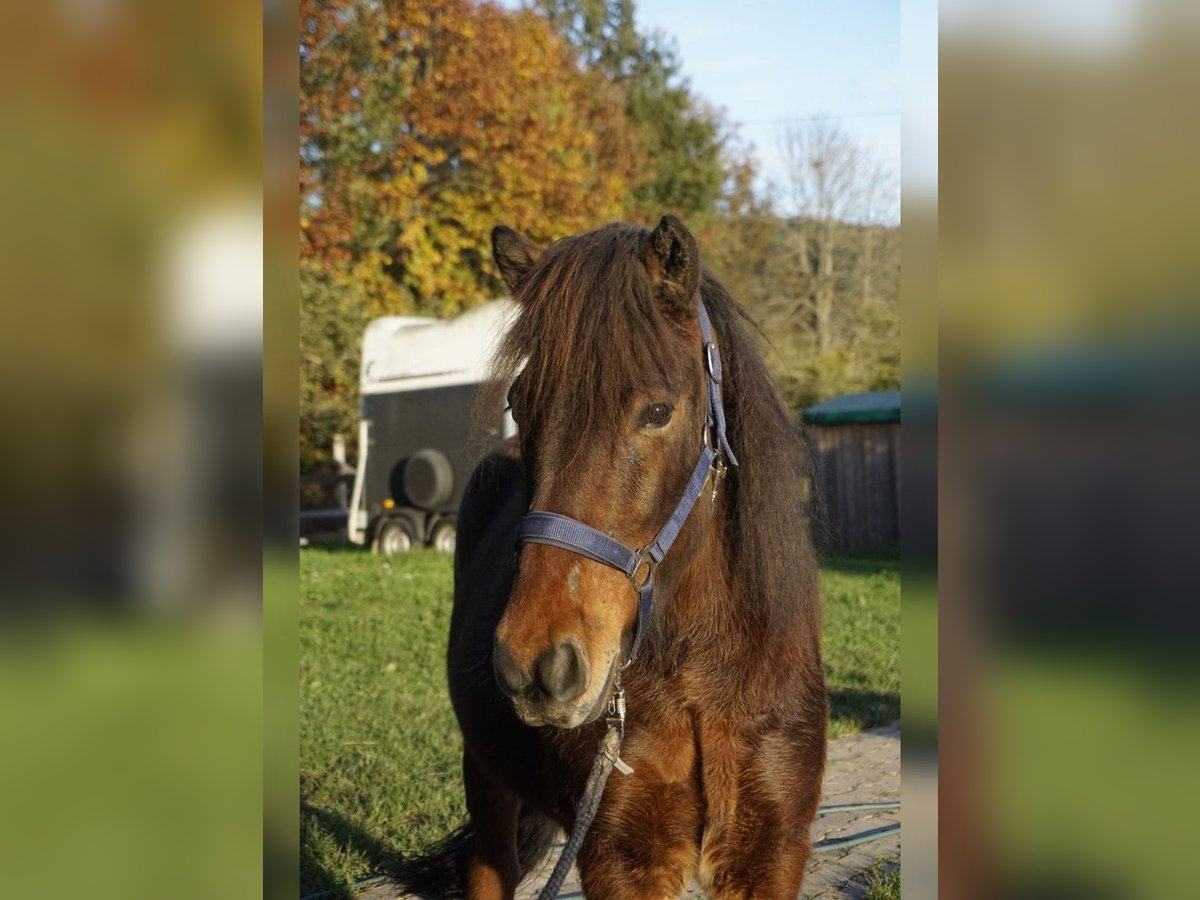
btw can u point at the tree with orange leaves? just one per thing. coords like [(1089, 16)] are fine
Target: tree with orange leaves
[(425, 123)]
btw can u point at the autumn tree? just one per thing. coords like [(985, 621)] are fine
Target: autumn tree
[(423, 124)]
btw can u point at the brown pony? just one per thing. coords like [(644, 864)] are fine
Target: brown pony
[(726, 700)]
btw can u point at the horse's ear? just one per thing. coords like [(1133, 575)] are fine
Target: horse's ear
[(673, 261), (515, 255)]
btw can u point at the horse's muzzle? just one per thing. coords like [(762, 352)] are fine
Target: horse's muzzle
[(554, 690), (557, 677)]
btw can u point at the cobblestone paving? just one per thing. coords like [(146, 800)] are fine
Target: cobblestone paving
[(860, 768)]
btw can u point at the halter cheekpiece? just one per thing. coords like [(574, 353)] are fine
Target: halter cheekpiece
[(539, 527)]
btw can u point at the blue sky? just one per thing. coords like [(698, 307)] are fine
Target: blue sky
[(766, 62)]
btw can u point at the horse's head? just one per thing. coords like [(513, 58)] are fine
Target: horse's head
[(610, 403)]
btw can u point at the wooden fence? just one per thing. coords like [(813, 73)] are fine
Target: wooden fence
[(857, 503)]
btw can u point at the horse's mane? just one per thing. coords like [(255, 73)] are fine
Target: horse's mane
[(767, 529), (590, 325)]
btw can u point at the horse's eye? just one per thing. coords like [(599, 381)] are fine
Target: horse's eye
[(656, 415)]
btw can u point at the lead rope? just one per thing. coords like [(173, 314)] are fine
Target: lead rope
[(608, 754)]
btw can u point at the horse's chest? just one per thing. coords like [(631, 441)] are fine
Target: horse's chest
[(688, 788), (710, 766), (667, 744), (662, 746)]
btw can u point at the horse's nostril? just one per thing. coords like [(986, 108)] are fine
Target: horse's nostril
[(508, 673), (562, 671)]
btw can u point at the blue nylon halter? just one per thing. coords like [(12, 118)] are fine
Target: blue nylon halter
[(538, 527)]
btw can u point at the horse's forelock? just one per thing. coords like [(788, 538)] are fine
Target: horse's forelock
[(588, 332)]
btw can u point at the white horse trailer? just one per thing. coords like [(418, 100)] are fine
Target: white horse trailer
[(420, 379)]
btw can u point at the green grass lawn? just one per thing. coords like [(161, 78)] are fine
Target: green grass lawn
[(379, 747)]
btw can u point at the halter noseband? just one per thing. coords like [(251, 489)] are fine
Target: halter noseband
[(539, 527)]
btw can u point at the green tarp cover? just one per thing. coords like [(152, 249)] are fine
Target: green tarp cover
[(856, 409)]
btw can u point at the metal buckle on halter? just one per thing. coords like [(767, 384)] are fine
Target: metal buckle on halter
[(712, 361), (643, 559)]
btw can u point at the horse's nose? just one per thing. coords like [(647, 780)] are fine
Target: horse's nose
[(509, 674), (561, 671)]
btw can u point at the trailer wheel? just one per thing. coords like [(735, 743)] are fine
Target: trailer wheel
[(397, 535), (444, 535)]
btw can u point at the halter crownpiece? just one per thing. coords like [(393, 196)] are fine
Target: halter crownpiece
[(539, 527)]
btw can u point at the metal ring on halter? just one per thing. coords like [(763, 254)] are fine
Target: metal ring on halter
[(643, 559), (712, 361)]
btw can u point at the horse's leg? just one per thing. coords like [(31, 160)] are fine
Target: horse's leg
[(643, 843), (762, 793), (761, 868), (652, 871), (493, 870)]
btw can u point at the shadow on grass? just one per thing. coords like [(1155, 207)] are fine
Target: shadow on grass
[(314, 877), (866, 709)]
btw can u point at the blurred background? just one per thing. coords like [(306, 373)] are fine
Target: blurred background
[(1069, 378), (132, 351)]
